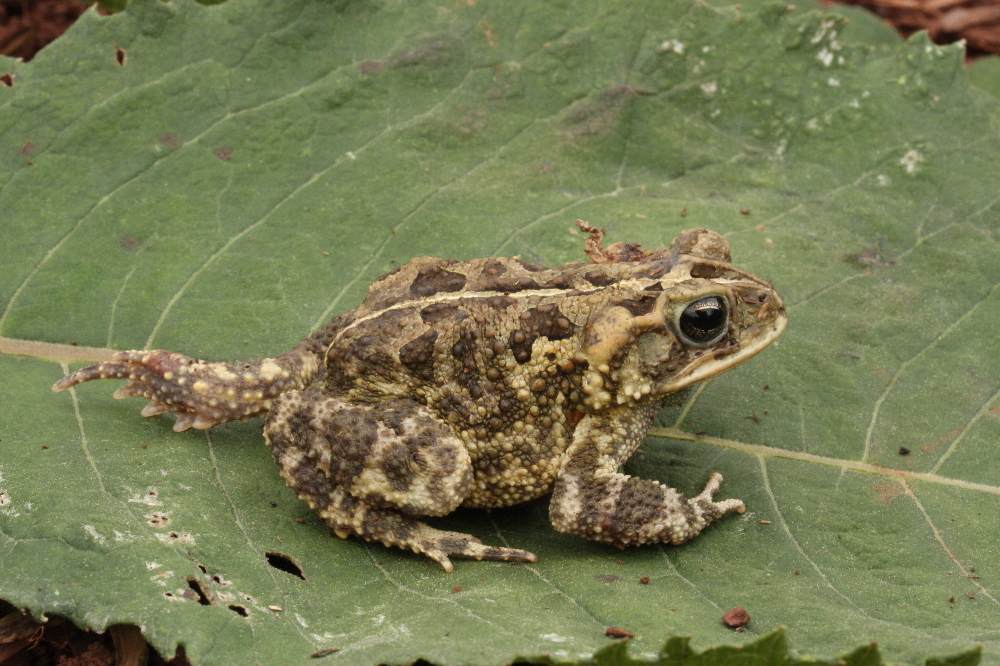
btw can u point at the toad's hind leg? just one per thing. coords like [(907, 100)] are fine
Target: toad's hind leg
[(371, 470), (202, 394)]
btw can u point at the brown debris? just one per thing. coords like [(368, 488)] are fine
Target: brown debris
[(736, 618), (322, 653), (618, 632), (615, 253)]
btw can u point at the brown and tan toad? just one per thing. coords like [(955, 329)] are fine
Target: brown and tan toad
[(487, 383)]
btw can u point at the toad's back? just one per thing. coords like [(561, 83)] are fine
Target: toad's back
[(493, 347)]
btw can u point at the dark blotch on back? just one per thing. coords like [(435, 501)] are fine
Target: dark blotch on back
[(493, 268), (367, 347), (434, 280), (496, 276), (498, 303), (510, 284), (437, 312), (562, 280), (545, 320), (418, 355), (599, 278), (710, 272), (389, 274), (532, 268), (639, 306)]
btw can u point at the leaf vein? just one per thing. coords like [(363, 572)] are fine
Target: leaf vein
[(845, 465), (940, 539), (538, 574), (869, 433)]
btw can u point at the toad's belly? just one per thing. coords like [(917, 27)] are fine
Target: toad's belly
[(499, 481)]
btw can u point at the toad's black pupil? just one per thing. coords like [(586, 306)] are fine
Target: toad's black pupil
[(704, 319)]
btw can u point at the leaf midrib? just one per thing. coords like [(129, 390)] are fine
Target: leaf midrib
[(70, 353)]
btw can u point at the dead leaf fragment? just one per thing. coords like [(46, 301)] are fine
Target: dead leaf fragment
[(618, 632), (734, 618)]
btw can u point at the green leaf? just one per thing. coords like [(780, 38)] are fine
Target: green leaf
[(984, 73), (252, 167)]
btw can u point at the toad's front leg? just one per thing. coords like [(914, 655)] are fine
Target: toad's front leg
[(202, 394), (593, 500)]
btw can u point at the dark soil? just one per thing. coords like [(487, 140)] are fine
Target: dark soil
[(26, 642), (25, 27)]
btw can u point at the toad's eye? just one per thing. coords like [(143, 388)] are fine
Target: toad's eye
[(704, 321)]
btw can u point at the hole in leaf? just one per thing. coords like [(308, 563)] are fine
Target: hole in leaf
[(121, 57), (7, 80), (284, 563), (239, 610), (199, 589), (202, 567)]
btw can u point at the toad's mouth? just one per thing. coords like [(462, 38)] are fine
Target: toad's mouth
[(712, 364)]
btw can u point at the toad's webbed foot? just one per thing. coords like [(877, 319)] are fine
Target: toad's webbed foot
[(394, 529), (202, 394)]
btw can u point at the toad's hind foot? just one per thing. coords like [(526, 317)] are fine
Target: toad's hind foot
[(707, 497), (438, 544), (443, 544), (348, 516), (201, 394)]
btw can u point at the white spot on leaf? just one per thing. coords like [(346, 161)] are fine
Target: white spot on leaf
[(176, 537), (97, 536), (823, 30), (149, 498), (709, 87), (672, 45), (911, 161)]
